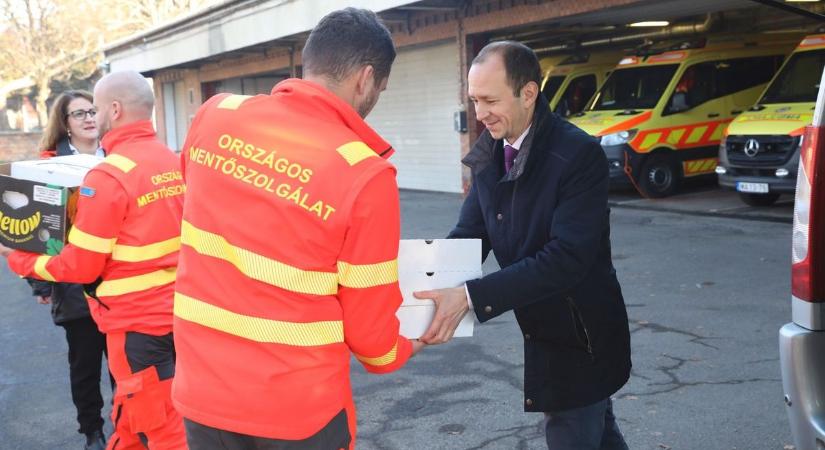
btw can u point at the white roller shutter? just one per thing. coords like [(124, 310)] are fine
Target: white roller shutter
[(415, 115)]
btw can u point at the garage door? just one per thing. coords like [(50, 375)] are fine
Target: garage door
[(415, 115)]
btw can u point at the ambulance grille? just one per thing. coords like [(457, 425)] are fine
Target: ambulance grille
[(772, 150)]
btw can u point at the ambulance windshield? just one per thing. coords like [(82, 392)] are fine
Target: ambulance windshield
[(798, 81), (552, 86), (635, 88)]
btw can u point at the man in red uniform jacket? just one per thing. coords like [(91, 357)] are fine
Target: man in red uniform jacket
[(124, 245), (288, 251)]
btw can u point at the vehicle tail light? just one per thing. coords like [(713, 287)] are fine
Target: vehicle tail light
[(808, 248)]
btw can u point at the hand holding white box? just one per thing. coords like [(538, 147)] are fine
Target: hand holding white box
[(434, 264)]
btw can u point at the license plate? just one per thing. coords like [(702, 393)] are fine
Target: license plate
[(756, 188)]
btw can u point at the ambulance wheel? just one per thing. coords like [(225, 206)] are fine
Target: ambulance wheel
[(759, 199), (660, 176)]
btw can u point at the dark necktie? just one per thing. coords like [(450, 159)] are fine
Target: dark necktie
[(510, 154)]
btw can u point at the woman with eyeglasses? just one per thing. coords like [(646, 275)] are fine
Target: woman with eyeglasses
[(71, 130)]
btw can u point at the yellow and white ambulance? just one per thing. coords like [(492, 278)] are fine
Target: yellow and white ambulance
[(571, 82), (661, 115), (760, 154)]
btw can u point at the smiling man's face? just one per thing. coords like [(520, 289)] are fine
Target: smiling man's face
[(504, 114)]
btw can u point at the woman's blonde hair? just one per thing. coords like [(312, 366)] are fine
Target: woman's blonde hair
[(57, 128)]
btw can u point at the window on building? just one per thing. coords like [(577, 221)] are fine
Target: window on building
[(174, 114), (260, 84)]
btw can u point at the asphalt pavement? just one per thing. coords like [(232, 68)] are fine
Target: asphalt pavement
[(706, 293)]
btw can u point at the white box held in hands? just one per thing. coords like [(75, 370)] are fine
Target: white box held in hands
[(434, 264), (66, 171)]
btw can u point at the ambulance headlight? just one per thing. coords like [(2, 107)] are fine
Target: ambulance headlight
[(618, 138)]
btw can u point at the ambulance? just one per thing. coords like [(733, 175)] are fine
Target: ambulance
[(662, 113), (571, 82), (760, 154)]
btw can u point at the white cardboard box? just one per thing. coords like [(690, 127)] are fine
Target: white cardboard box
[(434, 264), (66, 171)]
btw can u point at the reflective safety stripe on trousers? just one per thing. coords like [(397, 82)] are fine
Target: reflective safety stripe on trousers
[(285, 276)]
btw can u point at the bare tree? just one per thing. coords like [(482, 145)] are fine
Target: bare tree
[(42, 41), (143, 14), (46, 40)]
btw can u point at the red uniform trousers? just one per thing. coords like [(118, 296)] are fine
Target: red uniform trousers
[(142, 414)]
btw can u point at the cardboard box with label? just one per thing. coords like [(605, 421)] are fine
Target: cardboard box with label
[(34, 198), (434, 264)]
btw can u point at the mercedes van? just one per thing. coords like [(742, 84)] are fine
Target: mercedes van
[(661, 113), (760, 154), (569, 84)]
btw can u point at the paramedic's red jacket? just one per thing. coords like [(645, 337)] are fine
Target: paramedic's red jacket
[(126, 234), (288, 262)]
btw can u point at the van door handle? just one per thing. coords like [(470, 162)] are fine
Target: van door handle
[(736, 111), (713, 115)]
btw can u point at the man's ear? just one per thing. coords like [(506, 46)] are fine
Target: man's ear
[(117, 110), (365, 76), (530, 93)]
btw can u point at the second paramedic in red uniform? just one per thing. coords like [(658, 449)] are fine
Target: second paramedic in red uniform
[(289, 249), (124, 245)]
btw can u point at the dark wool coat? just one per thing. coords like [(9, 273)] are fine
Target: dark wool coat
[(547, 222)]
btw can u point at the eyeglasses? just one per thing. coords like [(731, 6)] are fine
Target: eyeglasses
[(80, 114)]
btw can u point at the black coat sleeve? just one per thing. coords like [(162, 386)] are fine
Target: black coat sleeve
[(471, 223), (577, 229), (40, 287)]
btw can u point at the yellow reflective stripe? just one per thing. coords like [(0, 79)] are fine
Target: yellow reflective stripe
[(389, 358), (696, 134), (259, 267), (128, 285), (86, 241), (301, 334), (40, 268), (367, 275), (717, 133), (355, 152), (650, 140), (675, 136), (121, 162), (710, 163), (233, 101), (131, 253)]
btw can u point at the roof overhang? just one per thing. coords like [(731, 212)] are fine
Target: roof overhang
[(225, 27)]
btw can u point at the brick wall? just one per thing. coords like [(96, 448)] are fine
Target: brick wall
[(17, 146)]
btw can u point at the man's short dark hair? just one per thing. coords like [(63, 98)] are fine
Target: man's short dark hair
[(345, 40), (520, 62)]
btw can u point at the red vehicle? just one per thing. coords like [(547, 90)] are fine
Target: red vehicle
[(802, 342)]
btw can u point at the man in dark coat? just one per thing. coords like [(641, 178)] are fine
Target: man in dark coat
[(539, 202)]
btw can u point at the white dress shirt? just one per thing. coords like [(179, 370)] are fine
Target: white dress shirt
[(99, 152)]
